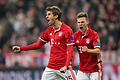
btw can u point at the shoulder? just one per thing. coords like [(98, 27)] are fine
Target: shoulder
[(76, 34), (93, 32), (49, 28), (67, 28)]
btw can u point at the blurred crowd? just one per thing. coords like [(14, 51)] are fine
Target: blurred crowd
[(23, 21)]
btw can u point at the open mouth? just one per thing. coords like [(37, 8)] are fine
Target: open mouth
[(48, 20), (81, 27)]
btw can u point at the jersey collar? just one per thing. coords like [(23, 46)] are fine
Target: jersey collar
[(86, 33), (61, 27)]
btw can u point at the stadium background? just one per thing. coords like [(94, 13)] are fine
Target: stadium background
[(23, 21)]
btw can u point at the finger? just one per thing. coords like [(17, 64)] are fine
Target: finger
[(62, 71), (16, 48)]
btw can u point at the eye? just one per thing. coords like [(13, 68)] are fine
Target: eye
[(82, 22), (48, 13), (78, 22)]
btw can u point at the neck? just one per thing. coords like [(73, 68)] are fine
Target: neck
[(57, 24), (85, 31)]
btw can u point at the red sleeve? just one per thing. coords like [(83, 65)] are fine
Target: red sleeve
[(70, 55), (69, 37), (69, 40), (45, 36), (43, 39), (33, 46), (96, 41)]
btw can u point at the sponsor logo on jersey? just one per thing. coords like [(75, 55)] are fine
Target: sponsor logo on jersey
[(60, 34)]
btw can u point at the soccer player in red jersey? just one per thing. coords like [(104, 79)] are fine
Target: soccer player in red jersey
[(61, 41), (88, 45)]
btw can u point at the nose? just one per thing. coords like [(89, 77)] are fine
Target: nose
[(80, 24), (46, 16)]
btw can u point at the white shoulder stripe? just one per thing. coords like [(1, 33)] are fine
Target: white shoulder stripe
[(97, 46), (71, 44), (42, 40)]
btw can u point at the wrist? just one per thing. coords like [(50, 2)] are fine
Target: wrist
[(66, 66), (88, 50)]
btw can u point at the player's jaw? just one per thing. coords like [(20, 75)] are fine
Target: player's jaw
[(50, 18), (83, 28), (82, 24), (50, 21)]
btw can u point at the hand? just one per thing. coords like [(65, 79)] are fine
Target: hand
[(84, 49), (63, 69), (16, 49)]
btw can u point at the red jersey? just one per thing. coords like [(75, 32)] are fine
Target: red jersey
[(59, 39), (88, 62)]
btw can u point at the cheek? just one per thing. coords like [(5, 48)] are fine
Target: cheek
[(78, 24), (52, 21)]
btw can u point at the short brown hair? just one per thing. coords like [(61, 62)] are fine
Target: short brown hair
[(55, 10), (82, 14)]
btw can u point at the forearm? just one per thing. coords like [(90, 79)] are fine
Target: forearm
[(94, 51), (33, 46), (69, 55)]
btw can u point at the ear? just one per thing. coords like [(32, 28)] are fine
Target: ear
[(56, 16), (87, 21)]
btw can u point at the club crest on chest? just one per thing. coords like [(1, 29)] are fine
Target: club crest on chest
[(60, 33), (87, 41), (77, 41)]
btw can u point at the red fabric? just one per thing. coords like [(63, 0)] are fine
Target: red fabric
[(59, 39), (88, 62), (61, 42), (73, 74), (34, 46), (70, 55)]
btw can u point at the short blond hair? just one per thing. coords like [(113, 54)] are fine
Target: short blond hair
[(82, 14)]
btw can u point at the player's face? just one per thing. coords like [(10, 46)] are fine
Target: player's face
[(50, 18), (82, 24)]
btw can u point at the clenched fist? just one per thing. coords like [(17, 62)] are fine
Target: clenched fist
[(84, 49), (63, 69), (16, 49)]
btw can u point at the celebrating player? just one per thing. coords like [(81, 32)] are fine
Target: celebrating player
[(88, 45), (60, 37)]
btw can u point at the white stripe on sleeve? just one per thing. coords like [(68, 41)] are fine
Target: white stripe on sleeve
[(42, 40), (71, 44), (97, 46)]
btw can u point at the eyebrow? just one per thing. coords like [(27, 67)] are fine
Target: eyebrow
[(81, 21)]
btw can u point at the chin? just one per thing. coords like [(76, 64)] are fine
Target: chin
[(80, 30), (49, 23)]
